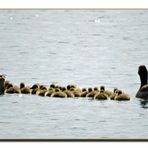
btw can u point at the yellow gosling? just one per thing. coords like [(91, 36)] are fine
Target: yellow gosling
[(9, 90), (42, 87), (24, 89), (67, 92), (52, 85), (42, 92), (59, 94), (84, 92), (101, 96), (6, 83), (91, 93), (122, 96), (112, 97), (16, 89), (49, 92)]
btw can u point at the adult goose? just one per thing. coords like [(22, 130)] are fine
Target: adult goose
[(2, 81), (143, 90)]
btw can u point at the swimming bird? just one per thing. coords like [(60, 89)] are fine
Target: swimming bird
[(2, 81), (143, 90), (112, 97), (67, 92), (34, 89), (58, 93), (41, 92), (24, 89), (84, 92), (49, 92), (101, 95), (121, 96), (11, 89), (91, 92)]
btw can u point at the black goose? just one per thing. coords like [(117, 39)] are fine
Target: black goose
[(143, 90)]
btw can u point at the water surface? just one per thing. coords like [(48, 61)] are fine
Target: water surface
[(84, 47)]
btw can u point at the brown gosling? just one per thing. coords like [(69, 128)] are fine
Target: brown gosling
[(41, 93), (12, 89), (121, 96), (42, 87), (75, 92), (91, 93), (52, 86), (49, 92), (34, 88), (9, 89), (24, 89), (59, 94), (6, 83), (112, 97), (16, 89), (101, 95), (107, 92), (67, 92), (84, 92)]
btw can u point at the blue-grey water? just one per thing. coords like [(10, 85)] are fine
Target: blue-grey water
[(84, 47)]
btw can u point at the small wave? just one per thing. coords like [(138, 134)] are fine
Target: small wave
[(14, 102), (77, 119), (126, 38), (102, 121), (23, 52), (96, 34), (63, 42), (54, 119), (68, 69), (52, 53), (76, 127), (3, 122)]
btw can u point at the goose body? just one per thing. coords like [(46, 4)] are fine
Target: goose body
[(2, 81), (143, 90)]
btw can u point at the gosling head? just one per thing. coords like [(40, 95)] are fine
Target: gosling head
[(22, 85), (95, 88), (52, 85), (102, 88), (90, 89), (84, 89)]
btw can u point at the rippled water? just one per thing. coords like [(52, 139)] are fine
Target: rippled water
[(85, 47)]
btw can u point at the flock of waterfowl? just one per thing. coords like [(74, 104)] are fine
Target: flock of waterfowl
[(96, 93)]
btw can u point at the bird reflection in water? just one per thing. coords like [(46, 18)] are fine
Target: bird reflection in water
[(144, 103)]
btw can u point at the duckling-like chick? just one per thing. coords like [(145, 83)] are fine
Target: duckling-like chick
[(75, 92), (42, 87), (58, 93), (107, 92), (101, 95), (9, 89), (52, 86), (41, 92), (67, 92), (24, 89), (49, 92), (6, 84), (112, 97), (121, 96), (84, 92), (92, 92), (34, 89), (16, 89)]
